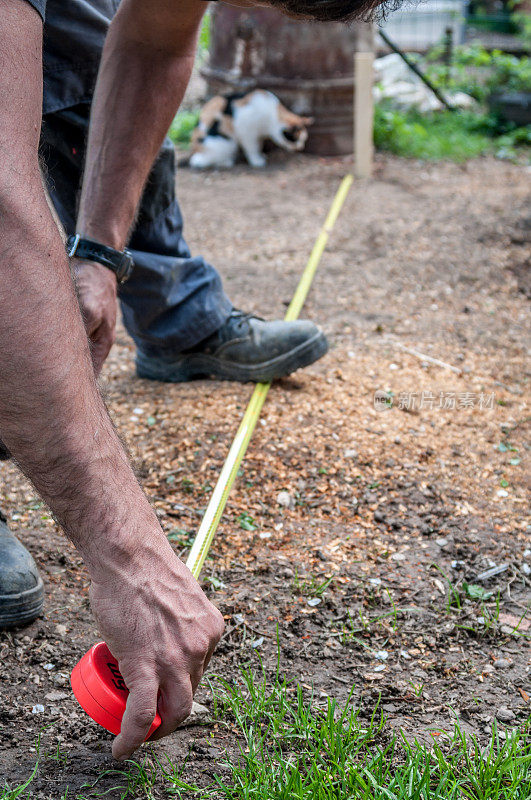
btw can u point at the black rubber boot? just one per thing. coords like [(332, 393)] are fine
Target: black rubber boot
[(21, 587), (245, 348)]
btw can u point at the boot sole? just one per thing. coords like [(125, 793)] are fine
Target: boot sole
[(22, 608), (200, 365)]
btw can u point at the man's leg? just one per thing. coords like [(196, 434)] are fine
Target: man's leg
[(173, 305)]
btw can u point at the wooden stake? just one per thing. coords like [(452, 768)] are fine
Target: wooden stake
[(363, 114)]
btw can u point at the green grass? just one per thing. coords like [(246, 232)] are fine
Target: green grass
[(452, 135), (292, 746)]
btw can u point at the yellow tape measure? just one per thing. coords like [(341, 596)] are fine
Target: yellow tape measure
[(220, 495)]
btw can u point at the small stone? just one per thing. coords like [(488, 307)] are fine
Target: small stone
[(487, 669), (398, 557), (54, 696), (505, 714), (351, 453), (199, 715), (502, 493), (375, 581), (381, 655), (314, 601), (37, 709), (286, 572), (502, 663), (61, 630), (285, 500), (48, 666), (441, 542)]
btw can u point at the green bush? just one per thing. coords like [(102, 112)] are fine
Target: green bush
[(479, 72), (459, 135), (182, 126), (454, 135)]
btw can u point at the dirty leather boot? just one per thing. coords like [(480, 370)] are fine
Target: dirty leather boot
[(21, 587), (245, 348)]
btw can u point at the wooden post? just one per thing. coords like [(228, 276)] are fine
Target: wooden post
[(363, 114)]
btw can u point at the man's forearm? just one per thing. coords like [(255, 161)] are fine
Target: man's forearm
[(145, 68), (52, 418)]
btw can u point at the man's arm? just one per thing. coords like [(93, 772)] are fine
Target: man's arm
[(145, 68), (152, 613)]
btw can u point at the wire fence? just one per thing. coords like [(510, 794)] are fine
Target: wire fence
[(418, 28)]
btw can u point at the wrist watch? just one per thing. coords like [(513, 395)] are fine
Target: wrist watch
[(119, 261)]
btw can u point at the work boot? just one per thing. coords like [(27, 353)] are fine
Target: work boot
[(245, 348), (21, 587)]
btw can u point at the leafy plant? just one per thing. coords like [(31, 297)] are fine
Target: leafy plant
[(246, 522), (182, 126)]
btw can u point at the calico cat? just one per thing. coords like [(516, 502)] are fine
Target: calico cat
[(228, 123)]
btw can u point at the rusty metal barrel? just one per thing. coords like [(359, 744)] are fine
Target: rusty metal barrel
[(309, 65)]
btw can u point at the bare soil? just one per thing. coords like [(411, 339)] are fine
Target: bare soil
[(393, 505)]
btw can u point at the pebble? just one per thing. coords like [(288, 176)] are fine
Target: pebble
[(61, 630), (398, 557), (502, 493), (48, 666), (286, 572), (351, 453), (198, 716), (285, 500), (54, 696), (502, 663), (381, 655), (314, 601), (505, 714), (441, 542), (37, 709)]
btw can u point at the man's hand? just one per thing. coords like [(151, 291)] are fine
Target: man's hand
[(162, 630), (96, 289)]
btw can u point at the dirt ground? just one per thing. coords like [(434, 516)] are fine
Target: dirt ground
[(396, 504)]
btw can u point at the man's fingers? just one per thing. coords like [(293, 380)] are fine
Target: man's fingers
[(139, 714), (101, 342), (174, 705)]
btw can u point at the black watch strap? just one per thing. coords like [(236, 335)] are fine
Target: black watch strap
[(120, 262)]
